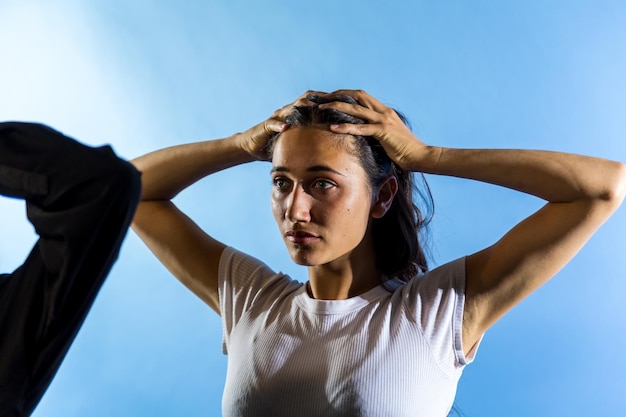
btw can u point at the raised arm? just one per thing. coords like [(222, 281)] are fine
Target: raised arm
[(187, 251), (582, 192)]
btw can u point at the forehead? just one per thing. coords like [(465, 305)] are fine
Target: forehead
[(316, 139), (303, 146)]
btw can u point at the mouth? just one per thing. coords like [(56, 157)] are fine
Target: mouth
[(300, 237)]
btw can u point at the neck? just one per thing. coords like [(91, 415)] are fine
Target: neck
[(353, 274)]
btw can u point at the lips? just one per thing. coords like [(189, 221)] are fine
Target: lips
[(300, 237)]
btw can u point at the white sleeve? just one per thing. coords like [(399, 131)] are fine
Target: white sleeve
[(246, 284), (437, 299)]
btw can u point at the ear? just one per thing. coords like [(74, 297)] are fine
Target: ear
[(384, 197)]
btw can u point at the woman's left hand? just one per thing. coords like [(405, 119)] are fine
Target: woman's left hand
[(384, 124)]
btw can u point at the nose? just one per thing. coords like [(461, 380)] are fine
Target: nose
[(298, 208)]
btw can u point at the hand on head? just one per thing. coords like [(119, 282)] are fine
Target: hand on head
[(254, 140), (382, 122)]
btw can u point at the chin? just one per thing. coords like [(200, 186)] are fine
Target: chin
[(302, 257), (302, 260)]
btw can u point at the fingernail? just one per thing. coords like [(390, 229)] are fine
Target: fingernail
[(334, 126)]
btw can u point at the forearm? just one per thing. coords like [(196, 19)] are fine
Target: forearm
[(553, 176), (168, 171)]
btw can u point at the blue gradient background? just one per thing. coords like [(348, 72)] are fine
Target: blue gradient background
[(142, 75)]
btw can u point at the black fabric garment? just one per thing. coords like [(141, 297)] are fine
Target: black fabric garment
[(80, 201)]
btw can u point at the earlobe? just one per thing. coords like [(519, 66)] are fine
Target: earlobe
[(384, 197)]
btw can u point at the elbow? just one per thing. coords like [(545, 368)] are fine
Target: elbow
[(151, 186), (615, 185)]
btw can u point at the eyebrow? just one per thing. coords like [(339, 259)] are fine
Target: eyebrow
[(314, 168)]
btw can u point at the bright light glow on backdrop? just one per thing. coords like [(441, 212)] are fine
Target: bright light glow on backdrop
[(142, 75)]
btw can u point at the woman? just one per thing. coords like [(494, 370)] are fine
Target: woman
[(365, 335)]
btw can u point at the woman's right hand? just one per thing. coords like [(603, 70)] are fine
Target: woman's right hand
[(254, 140)]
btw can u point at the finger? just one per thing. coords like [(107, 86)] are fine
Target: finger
[(309, 98), (355, 130), (283, 112), (313, 96), (355, 110), (302, 101), (313, 93), (364, 98), (274, 125)]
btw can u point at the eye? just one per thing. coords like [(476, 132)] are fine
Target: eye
[(322, 185), (281, 183)]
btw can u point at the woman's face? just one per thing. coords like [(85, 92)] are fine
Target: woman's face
[(321, 197)]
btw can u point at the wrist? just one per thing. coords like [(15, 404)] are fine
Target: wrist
[(251, 149), (241, 146), (426, 158)]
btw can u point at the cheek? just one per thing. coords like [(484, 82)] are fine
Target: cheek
[(359, 204), (277, 207)]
